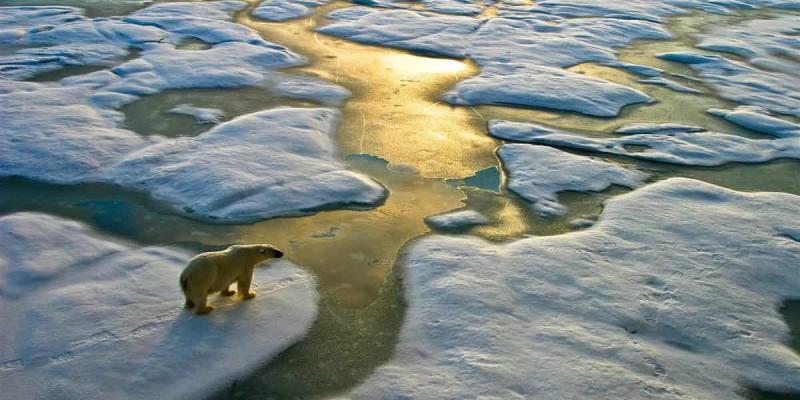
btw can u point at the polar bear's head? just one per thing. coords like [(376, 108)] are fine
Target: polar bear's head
[(260, 252), (267, 251)]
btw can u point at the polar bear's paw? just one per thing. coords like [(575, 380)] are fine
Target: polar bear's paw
[(203, 310)]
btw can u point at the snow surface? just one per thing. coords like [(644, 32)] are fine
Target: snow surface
[(456, 220), (768, 78), (759, 120), (670, 84), (662, 298), (86, 317), (71, 133), (647, 10), (271, 163), (521, 59), (539, 173), (454, 7), (648, 128), (283, 10), (677, 147)]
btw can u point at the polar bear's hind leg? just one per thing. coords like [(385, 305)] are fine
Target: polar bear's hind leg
[(227, 291)]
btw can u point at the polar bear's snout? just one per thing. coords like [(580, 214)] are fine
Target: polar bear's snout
[(273, 251)]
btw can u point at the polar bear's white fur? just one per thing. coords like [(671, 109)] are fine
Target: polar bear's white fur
[(215, 271)]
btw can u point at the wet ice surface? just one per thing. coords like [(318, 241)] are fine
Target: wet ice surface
[(72, 126), (282, 10), (757, 64), (104, 320), (520, 58), (678, 147), (661, 298), (300, 174), (655, 300), (539, 173), (759, 120), (456, 220)]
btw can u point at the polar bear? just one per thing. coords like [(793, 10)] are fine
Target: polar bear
[(215, 271)]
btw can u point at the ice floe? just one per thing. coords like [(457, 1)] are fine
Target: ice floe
[(87, 317), (71, 133), (521, 59), (647, 10), (62, 36), (759, 120), (649, 128), (267, 164), (539, 173), (670, 84), (677, 147), (272, 163), (282, 10), (768, 77), (454, 7), (662, 298), (456, 220), (403, 29)]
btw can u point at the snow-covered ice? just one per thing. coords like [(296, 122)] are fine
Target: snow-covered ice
[(768, 77), (282, 10), (670, 84), (649, 128), (662, 298), (521, 59), (87, 317), (268, 164), (539, 173), (456, 220), (71, 132), (677, 147), (759, 120), (403, 29), (454, 7)]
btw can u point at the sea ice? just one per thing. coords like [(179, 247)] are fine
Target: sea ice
[(267, 164), (539, 173), (521, 59), (88, 317), (670, 84), (759, 120), (456, 220), (662, 298), (282, 10), (681, 147), (768, 77), (71, 133)]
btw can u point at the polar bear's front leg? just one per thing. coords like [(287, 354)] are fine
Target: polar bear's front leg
[(244, 284)]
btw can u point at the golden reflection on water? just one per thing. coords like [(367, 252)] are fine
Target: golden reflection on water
[(351, 251), (396, 111)]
